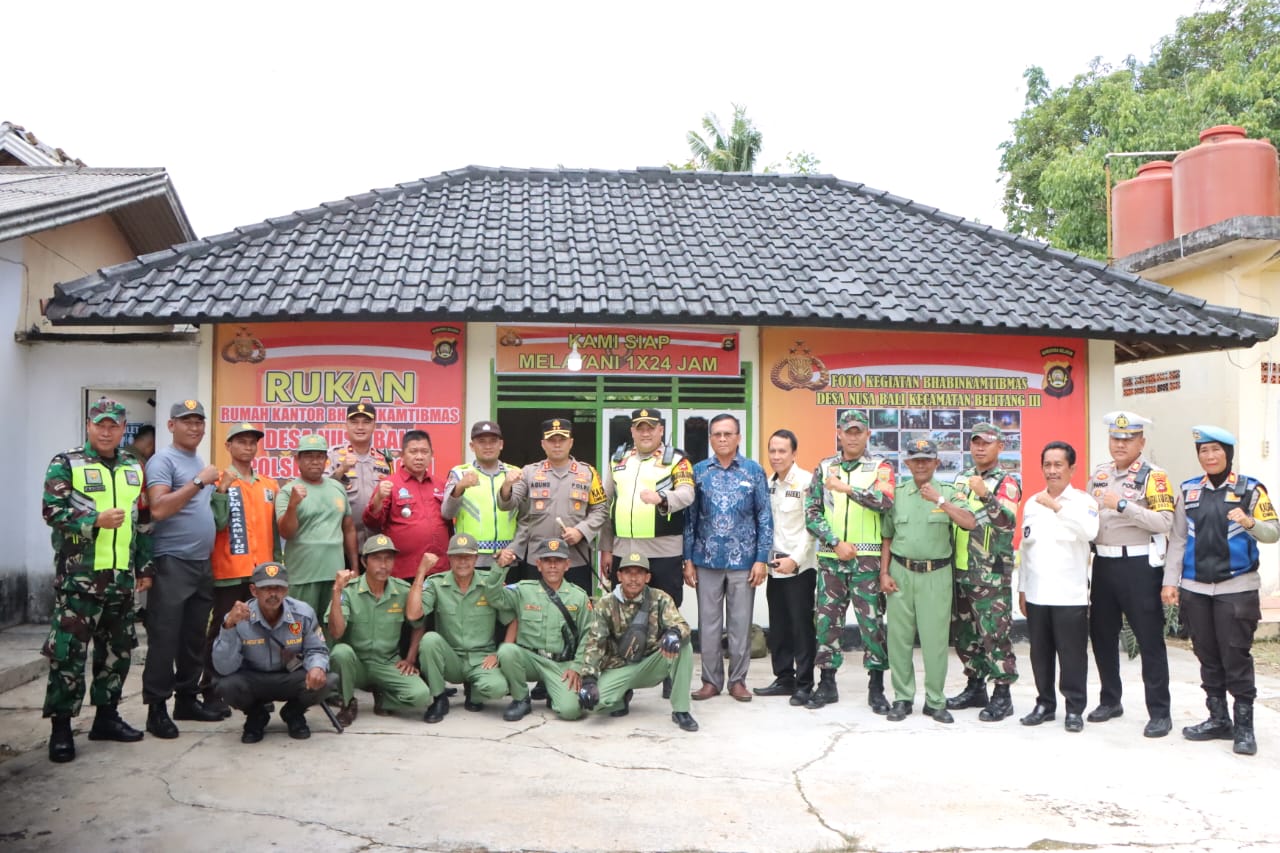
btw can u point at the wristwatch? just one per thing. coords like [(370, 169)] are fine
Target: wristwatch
[(1121, 505), (197, 482), (941, 500)]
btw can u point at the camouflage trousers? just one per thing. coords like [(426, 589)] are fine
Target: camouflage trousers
[(981, 624), (841, 584), (97, 607)]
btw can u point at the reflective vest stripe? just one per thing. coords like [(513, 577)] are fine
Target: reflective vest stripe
[(110, 490), (632, 517), (850, 521)]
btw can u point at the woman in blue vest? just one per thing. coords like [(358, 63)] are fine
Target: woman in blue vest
[(1213, 558)]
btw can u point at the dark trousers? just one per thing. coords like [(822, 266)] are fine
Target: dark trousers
[(793, 643), (1131, 586), (1060, 637), (223, 598), (178, 606), (665, 573), (1222, 628), (247, 688)]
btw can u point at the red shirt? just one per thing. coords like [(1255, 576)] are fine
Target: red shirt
[(423, 529)]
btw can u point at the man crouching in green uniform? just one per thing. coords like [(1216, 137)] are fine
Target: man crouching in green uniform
[(364, 619), (461, 649), (637, 638), (545, 642), (90, 501), (916, 578)]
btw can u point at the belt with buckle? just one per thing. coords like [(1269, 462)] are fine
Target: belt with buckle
[(1117, 551), (925, 566)]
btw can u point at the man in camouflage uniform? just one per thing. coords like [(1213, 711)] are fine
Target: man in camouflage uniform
[(983, 615), (846, 500), (626, 650), (93, 502)]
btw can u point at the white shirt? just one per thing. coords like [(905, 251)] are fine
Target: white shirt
[(790, 536), (1055, 549)]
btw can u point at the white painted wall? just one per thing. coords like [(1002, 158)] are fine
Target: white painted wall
[(14, 523)]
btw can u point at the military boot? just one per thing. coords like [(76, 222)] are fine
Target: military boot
[(974, 695), (1000, 706), (159, 723), (62, 746), (1217, 727), (875, 692), (825, 693), (107, 725), (1245, 744)]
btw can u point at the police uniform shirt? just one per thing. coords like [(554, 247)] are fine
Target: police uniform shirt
[(486, 490), (678, 496), (361, 480), (790, 534), (373, 623), (1148, 512), (1221, 500), (466, 620), (253, 644), (573, 494)]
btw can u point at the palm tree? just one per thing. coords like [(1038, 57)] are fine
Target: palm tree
[(732, 152)]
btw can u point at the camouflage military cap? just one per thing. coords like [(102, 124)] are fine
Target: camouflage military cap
[(986, 431), (106, 408), (553, 549), (464, 544), (314, 441), (634, 559), (375, 544), (186, 409), (922, 448), (850, 418)]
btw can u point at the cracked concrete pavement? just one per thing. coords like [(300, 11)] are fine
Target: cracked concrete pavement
[(758, 777)]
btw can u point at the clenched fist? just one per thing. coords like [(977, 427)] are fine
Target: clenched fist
[(110, 519), (237, 614), (298, 494), (343, 578)]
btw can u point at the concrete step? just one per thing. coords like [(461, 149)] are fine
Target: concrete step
[(20, 658)]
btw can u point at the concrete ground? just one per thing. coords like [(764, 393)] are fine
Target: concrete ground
[(758, 777)]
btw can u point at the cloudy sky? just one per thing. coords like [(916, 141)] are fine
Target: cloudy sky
[(259, 109)]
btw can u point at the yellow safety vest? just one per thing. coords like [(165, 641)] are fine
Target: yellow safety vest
[(849, 520), (632, 517), (479, 516), (962, 536), (108, 489)]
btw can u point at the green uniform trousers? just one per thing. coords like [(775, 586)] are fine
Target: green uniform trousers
[(398, 690), (922, 603), (442, 664), (318, 595), (613, 683), (520, 666)]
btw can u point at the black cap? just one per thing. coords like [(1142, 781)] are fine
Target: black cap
[(486, 428), (363, 408), (557, 426)]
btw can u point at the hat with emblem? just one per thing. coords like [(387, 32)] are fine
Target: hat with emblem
[(1206, 434), (986, 431), (381, 542), (241, 429), (634, 558), (850, 418), (269, 574), (486, 428), (362, 408), (646, 416), (312, 441), (557, 426), (186, 409), (106, 408), (922, 448), (463, 543), (553, 549), (1125, 424)]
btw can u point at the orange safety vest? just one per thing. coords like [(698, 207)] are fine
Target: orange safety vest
[(249, 537)]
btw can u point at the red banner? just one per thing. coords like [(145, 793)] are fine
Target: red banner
[(616, 350)]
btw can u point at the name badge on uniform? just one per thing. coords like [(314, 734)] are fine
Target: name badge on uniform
[(131, 477), (93, 480), (1232, 498)]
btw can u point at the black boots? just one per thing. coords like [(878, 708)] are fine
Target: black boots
[(1000, 706), (255, 723), (825, 693), (62, 747), (974, 695), (438, 709), (158, 721), (1245, 744), (189, 707), (875, 692), (1217, 727), (107, 725)]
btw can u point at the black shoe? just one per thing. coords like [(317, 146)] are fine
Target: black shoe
[(107, 725), (1157, 727), (899, 711), (1217, 727), (213, 702), (538, 693), (159, 722), (479, 706), (875, 692), (1245, 742), (438, 709), (1074, 723), (939, 715), (974, 695), (1102, 713), (779, 687), (626, 705), (802, 696), (684, 720), (450, 692), (825, 693), (191, 708), (666, 688), (1000, 706), (255, 724), (517, 710), (295, 717), (62, 744), (1040, 714)]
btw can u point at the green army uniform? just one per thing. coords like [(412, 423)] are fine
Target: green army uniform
[(465, 621), (365, 656), (921, 551), (538, 653), (610, 617)]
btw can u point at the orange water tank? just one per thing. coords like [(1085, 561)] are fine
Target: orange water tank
[(1142, 209), (1225, 175)]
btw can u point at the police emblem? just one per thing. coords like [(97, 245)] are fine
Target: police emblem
[(272, 570), (190, 405), (553, 545), (360, 407), (555, 425), (1122, 421), (1057, 379)]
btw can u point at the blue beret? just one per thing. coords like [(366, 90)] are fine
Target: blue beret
[(1206, 434)]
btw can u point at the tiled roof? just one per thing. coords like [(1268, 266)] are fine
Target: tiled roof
[(36, 198), (20, 147), (650, 245)]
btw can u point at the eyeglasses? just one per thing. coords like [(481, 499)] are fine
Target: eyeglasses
[(723, 434)]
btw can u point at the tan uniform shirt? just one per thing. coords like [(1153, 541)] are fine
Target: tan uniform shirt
[(573, 494), (1148, 513)]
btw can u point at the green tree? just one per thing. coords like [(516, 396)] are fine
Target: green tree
[(1220, 66), (732, 151)]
